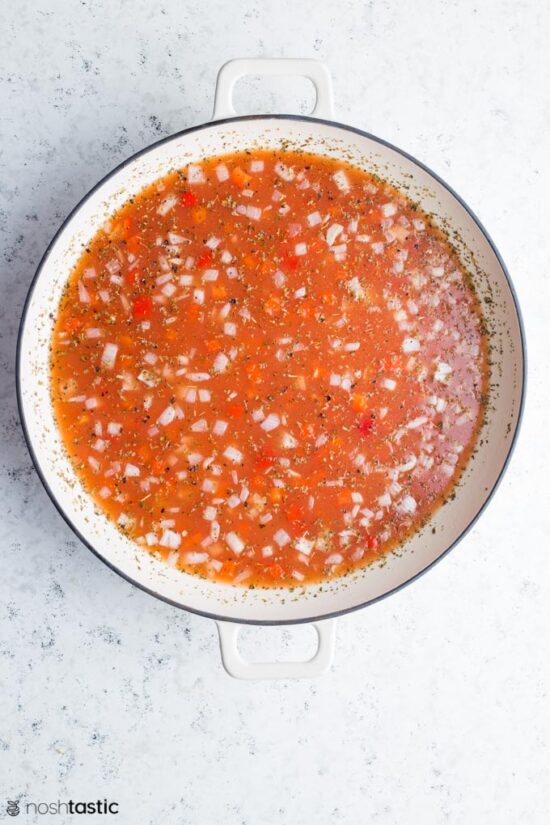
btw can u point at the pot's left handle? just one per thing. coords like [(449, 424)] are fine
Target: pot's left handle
[(238, 667), (232, 71)]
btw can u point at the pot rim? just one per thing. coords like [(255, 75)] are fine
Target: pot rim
[(238, 119)]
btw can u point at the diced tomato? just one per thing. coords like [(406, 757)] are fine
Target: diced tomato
[(133, 244), (371, 217), (305, 309), (272, 306), (276, 495), (295, 513), (344, 497), (276, 571), (72, 324), (143, 305), (205, 259), (188, 198), (144, 452), (359, 402), (328, 298), (121, 229), (193, 311), (219, 292), (240, 177), (235, 410), (199, 214), (254, 373), (250, 262)]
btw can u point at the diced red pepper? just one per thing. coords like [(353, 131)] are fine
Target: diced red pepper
[(265, 458), (366, 425), (133, 276), (291, 262), (142, 307), (204, 259), (372, 542), (188, 199)]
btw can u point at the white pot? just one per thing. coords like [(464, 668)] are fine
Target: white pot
[(313, 603)]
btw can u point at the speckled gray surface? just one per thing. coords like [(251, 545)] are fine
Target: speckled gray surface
[(436, 709)]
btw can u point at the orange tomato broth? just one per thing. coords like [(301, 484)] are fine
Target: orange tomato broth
[(269, 368)]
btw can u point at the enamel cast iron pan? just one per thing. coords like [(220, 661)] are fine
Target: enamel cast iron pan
[(231, 606)]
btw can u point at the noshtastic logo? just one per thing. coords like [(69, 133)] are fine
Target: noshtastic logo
[(100, 806)]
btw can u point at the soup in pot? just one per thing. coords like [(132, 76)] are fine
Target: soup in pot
[(269, 368)]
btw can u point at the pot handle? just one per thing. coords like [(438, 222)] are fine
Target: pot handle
[(232, 71), (239, 668)]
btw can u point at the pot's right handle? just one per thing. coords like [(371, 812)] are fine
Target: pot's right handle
[(232, 71), (239, 668)]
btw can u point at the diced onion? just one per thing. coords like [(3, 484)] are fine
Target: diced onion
[(200, 426), (410, 345), (281, 537), (166, 205), (254, 213), (235, 543), (314, 218), (334, 558), (83, 294), (170, 539), (167, 416), (198, 376), (332, 233), (304, 545), (195, 174), (341, 180), (270, 423), (222, 172), (109, 355), (284, 172), (233, 454), (407, 505), (220, 362), (442, 372), (192, 557), (219, 427)]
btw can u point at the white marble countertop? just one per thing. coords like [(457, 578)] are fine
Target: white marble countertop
[(436, 708)]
